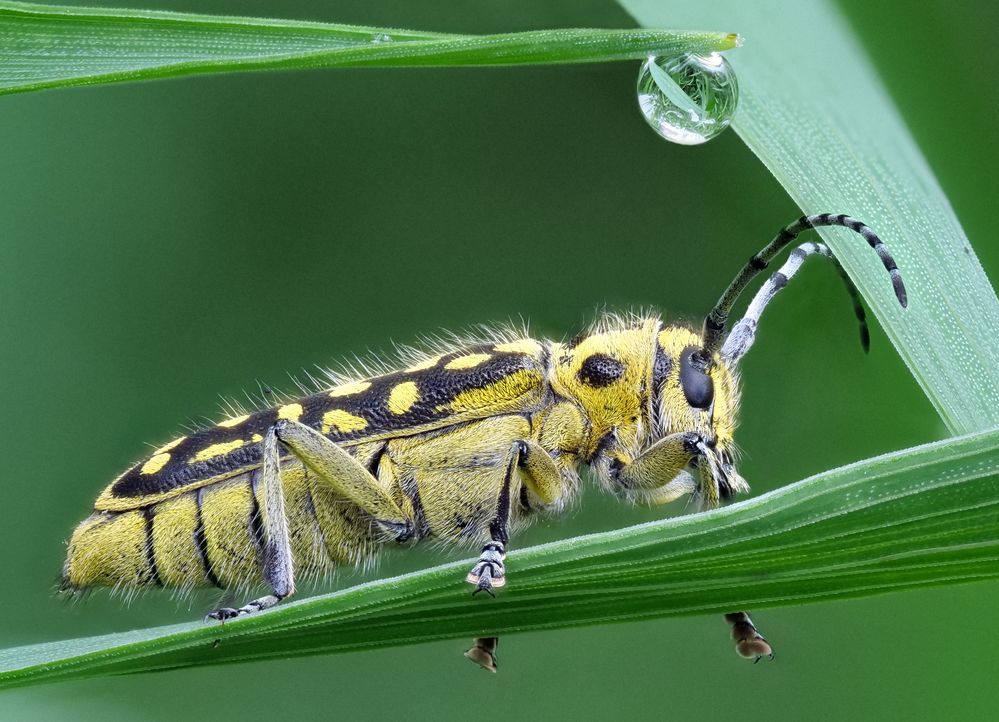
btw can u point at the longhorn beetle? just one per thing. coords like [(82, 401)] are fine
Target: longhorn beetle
[(459, 444)]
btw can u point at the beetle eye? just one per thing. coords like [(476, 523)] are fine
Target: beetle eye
[(697, 385)]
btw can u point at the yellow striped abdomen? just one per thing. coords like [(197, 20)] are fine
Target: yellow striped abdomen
[(213, 535)]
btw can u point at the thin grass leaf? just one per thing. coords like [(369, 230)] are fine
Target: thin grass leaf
[(814, 111), (920, 517), (672, 90), (49, 46)]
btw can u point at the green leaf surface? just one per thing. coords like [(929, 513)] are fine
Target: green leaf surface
[(49, 46), (925, 516), (814, 111)]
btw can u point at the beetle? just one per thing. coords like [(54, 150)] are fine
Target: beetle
[(459, 444)]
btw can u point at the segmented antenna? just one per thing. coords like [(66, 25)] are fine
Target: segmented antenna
[(714, 323), (741, 338)]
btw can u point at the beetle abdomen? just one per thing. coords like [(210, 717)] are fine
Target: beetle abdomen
[(213, 536)]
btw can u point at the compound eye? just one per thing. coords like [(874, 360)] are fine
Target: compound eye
[(696, 384)]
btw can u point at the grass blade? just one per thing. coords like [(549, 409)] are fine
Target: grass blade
[(814, 111), (51, 46), (924, 516)]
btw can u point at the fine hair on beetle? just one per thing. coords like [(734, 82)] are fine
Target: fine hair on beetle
[(461, 442)]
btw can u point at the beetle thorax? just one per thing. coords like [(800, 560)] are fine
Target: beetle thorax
[(609, 374)]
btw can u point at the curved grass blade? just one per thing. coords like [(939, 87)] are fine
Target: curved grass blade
[(919, 517), (813, 109), (50, 46)]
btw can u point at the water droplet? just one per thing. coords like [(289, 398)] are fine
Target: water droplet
[(688, 99), (381, 38)]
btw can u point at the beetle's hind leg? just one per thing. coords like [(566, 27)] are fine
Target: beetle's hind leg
[(278, 567), (333, 466)]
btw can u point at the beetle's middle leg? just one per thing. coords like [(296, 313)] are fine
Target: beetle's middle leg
[(542, 477)]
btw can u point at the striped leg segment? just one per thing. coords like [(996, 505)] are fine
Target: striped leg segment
[(489, 572), (714, 323), (278, 570), (541, 476), (749, 643), (741, 338)]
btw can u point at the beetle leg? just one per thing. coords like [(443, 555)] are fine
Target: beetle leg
[(333, 466), (483, 652), (540, 473), (749, 643), (346, 476), (489, 572), (542, 477), (668, 459), (659, 464), (278, 569)]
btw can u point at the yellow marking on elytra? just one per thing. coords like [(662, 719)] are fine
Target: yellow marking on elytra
[(342, 421), (256, 438), (524, 345), (468, 361), (402, 397), (155, 464), (210, 452), (290, 412), (169, 446), (354, 387), (504, 391), (236, 421), (424, 364)]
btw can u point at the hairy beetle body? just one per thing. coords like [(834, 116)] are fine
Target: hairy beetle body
[(461, 445), (435, 436)]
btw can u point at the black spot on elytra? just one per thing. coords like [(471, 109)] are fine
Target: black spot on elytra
[(600, 370), (437, 387)]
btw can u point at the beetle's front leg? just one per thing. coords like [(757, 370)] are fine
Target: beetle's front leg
[(749, 643), (657, 470), (667, 461)]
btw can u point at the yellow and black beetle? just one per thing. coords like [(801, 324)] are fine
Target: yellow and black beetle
[(459, 445)]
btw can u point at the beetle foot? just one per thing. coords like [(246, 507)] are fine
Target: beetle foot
[(489, 572)]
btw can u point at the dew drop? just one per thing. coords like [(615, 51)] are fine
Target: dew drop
[(688, 99), (381, 38)]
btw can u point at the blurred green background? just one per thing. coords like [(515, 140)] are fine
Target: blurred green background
[(167, 242)]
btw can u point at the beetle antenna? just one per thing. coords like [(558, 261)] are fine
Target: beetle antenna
[(741, 338), (714, 323)]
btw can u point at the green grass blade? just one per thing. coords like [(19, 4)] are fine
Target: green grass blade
[(924, 516), (813, 109), (49, 46)]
